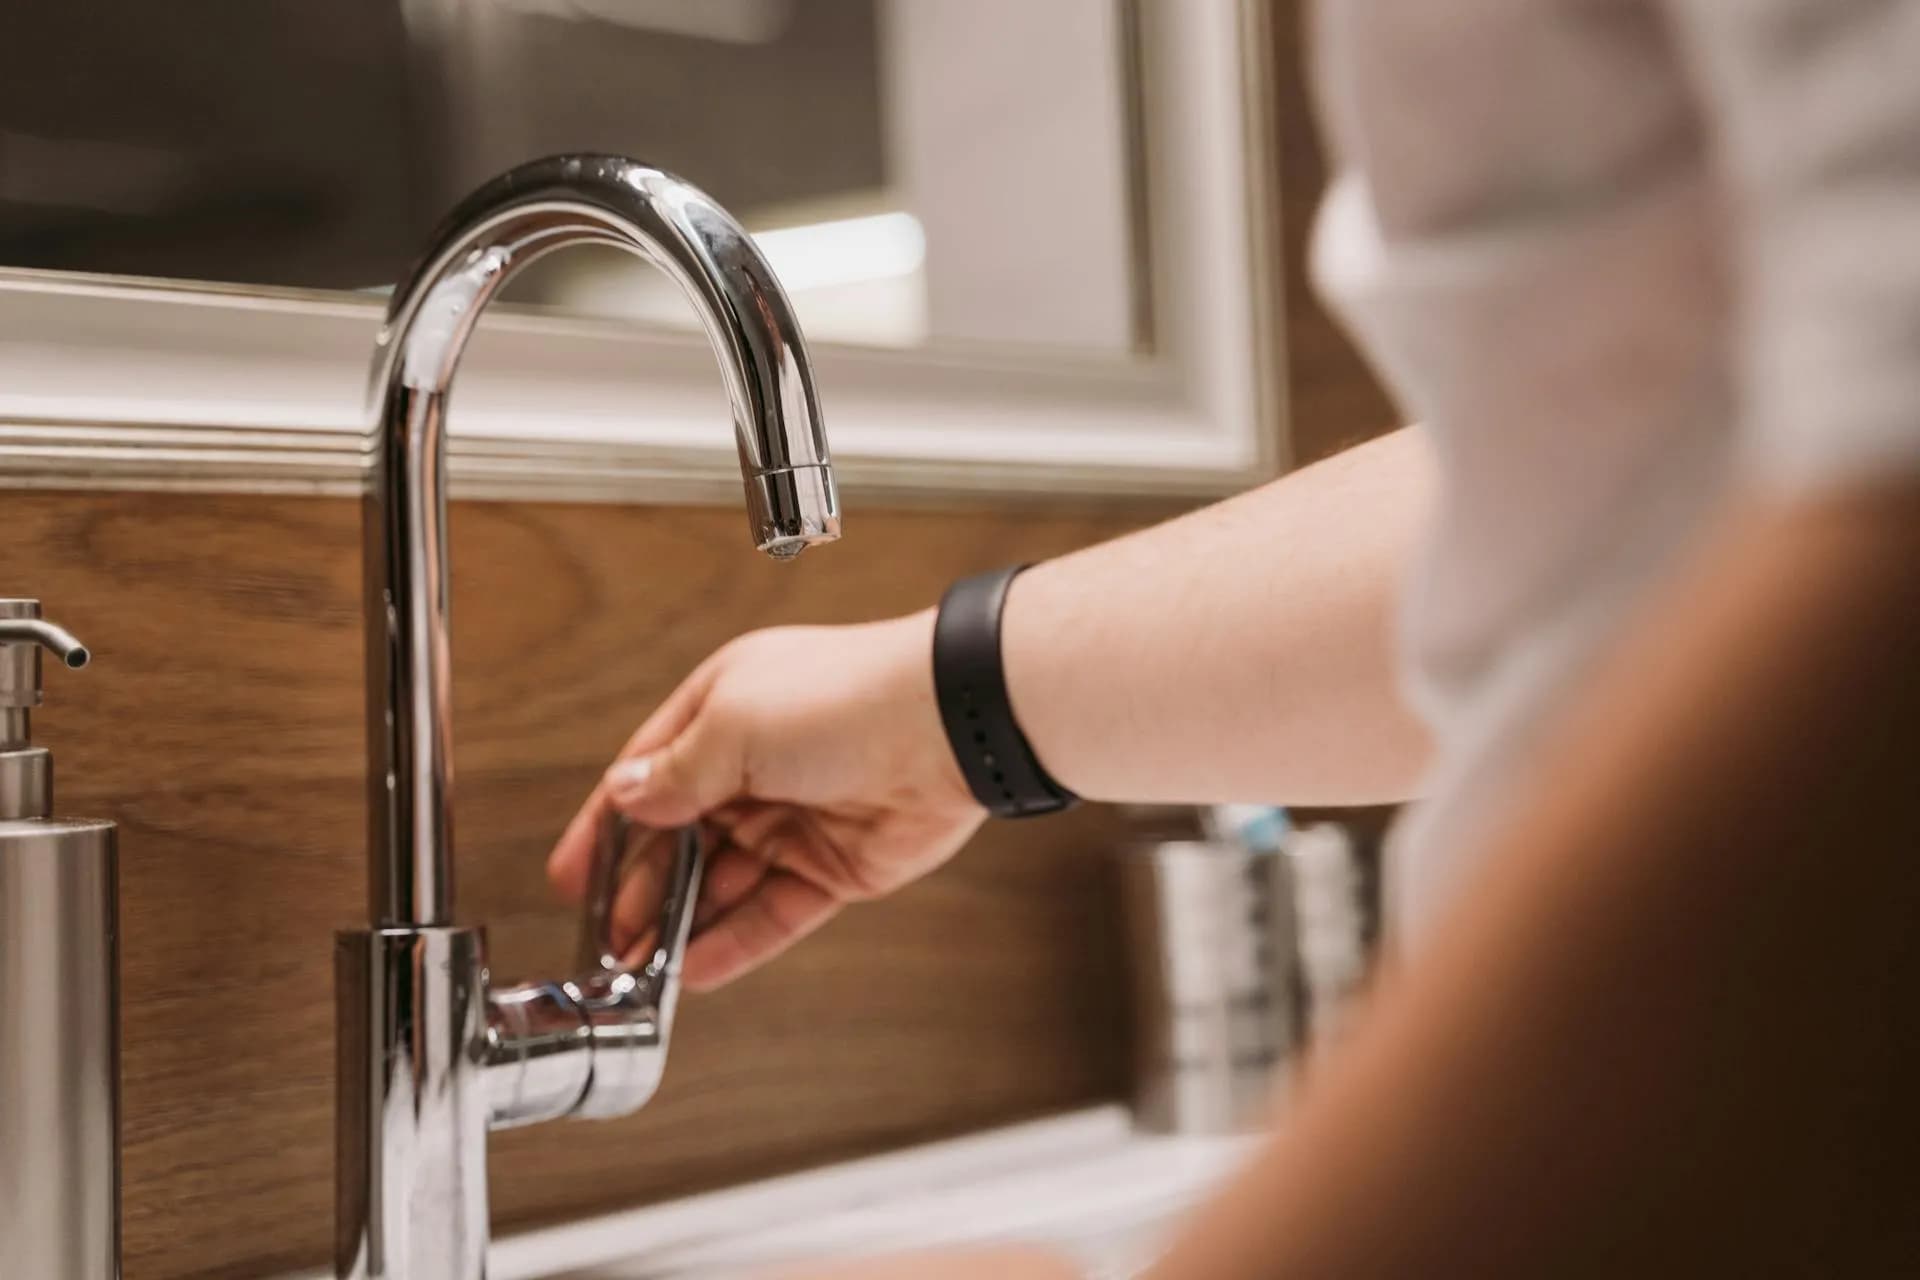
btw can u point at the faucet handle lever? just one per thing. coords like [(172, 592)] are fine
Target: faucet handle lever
[(598, 955), (596, 1045), (629, 1012)]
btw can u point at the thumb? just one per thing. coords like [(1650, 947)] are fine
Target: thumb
[(692, 775)]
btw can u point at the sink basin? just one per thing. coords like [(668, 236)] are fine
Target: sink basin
[(1083, 1182)]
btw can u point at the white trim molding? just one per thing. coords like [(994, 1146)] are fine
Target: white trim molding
[(120, 383)]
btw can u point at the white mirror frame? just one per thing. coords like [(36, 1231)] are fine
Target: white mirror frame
[(134, 384)]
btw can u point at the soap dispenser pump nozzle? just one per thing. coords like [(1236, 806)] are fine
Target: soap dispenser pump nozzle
[(26, 772)]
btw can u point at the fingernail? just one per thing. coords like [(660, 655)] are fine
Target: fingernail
[(630, 776)]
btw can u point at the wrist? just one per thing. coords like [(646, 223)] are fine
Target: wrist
[(914, 705)]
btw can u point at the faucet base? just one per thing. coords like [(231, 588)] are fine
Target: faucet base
[(411, 1118)]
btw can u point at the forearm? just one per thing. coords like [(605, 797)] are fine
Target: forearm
[(1242, 652), (1673, 1029)]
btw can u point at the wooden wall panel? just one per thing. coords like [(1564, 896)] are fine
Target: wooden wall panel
[(221, 726)]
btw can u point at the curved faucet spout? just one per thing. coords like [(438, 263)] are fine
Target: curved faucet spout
[(524, 214)]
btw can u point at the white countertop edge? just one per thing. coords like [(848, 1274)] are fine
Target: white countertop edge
[(1015, 1183)]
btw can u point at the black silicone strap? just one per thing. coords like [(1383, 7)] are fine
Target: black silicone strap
[(971, 687)]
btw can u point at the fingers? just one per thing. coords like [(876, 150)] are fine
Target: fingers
[(758, 839), (635, 915), (572, 858), (733, 872), (759, 896), (744, 841), (732, 875), (778, 913), (692, 775), (761, 892), (670, 719), (572, 855)]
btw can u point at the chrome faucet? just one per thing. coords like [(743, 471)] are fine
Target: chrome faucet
[(431, 1055)]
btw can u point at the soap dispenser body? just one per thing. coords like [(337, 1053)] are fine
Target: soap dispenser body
[(59, 1000), (59, 1050)]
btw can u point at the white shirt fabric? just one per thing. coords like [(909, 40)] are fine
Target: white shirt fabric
[(1621, 257)]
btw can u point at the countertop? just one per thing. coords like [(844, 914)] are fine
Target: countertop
[(1083, 1182)]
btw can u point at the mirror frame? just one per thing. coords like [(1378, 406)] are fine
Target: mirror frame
[(158, 385)]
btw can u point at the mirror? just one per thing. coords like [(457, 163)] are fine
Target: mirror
[(922, 173), (1034, 242)]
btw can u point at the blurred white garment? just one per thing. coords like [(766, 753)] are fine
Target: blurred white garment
[(1623, 257)]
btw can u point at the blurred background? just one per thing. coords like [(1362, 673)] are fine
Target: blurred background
[(909, 163)]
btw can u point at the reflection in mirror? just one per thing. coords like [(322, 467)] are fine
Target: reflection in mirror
[(921, 172)]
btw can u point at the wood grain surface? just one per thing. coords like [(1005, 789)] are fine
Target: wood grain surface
[(221, 725)]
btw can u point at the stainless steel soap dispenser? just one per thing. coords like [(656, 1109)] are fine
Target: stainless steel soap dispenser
[(59, 993)]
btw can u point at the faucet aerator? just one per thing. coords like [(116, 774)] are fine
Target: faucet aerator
[(791, 508)]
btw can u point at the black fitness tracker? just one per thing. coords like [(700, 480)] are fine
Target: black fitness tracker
[(971, 687)]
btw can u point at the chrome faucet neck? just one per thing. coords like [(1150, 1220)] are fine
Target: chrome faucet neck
[(432, 1054), (521, 216)]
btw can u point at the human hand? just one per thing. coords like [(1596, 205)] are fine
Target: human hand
[(816, 757)]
